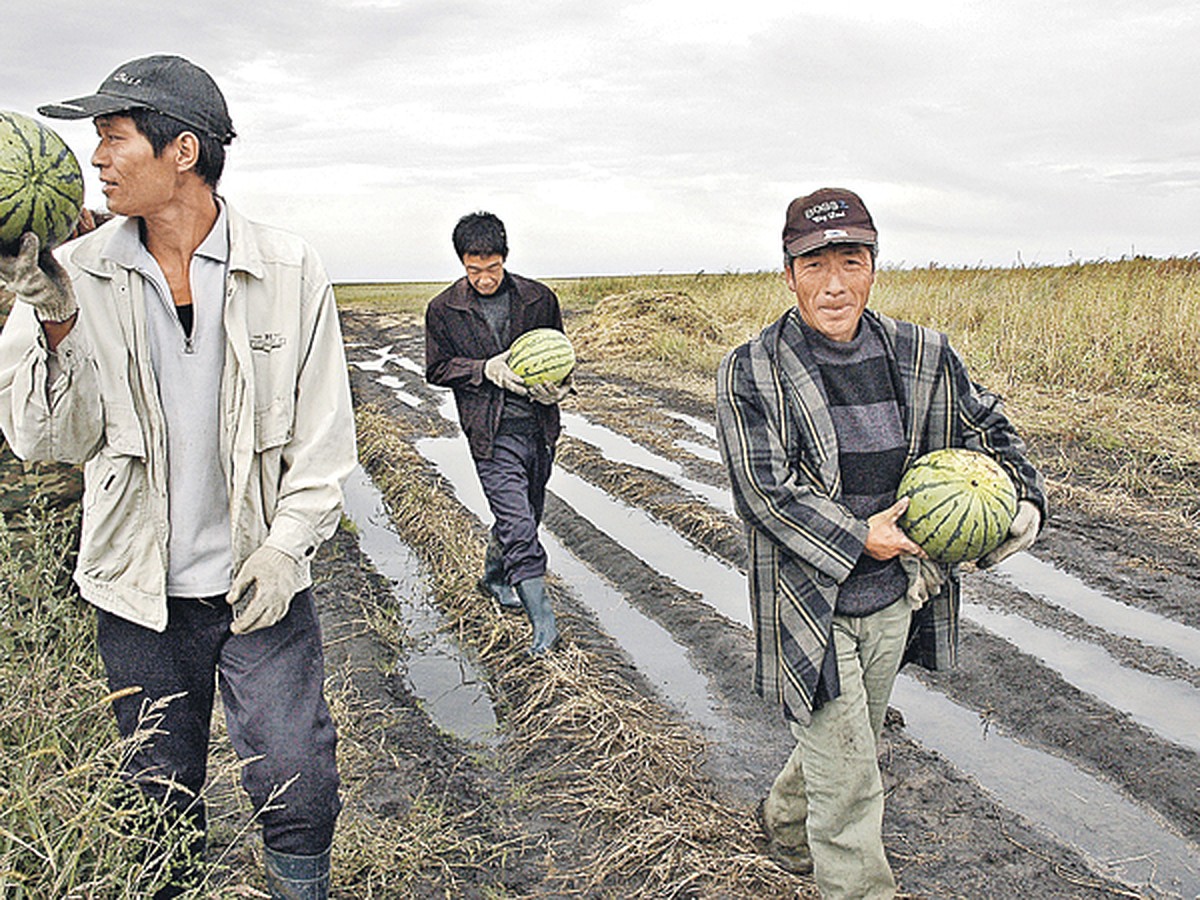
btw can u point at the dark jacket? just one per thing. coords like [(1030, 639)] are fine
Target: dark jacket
[(458, 342)]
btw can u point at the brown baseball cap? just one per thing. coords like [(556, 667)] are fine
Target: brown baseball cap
[(827, 216)]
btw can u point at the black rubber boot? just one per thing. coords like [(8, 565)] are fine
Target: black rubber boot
[(291, 877), (492, 584), (532, 592)]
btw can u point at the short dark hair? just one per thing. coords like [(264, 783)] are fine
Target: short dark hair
[(788, 258), (480, 234), (160, 129)]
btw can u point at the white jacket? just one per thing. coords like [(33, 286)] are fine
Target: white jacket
[(287, 435)]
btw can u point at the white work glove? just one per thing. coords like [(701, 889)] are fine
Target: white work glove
[(927, 583), (549, 393), (263, 589), (1021, 534), (45, 287), (496, 371)]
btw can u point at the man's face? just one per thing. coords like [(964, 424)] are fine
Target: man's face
[(136, 182), (831, 287), (485, 273)]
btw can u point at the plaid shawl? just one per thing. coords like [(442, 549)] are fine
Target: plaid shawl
[(780, 447)]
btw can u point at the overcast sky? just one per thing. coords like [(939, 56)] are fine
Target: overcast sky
[(633, 137)]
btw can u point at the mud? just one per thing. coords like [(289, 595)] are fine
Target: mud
[(947, 836)]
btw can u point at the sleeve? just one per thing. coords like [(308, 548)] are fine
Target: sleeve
[(50, 405), (321, 451), (772, 493), (443, 367), (983, 425)]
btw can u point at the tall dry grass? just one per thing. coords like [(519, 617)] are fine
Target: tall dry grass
[(1129, 328), (69, 826)]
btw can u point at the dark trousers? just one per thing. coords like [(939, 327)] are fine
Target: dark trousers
[(514, 482), (271, 682)]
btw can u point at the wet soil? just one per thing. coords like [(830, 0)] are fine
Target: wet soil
[(946, 836)]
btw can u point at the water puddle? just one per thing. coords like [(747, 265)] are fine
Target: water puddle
[(1122, 839), (1168, 707), (700, 451), (707, 429), (1052, 584), (373, 365), (719, 585), (654, 652), (450, 688), (396, 386), (385, 357), (621, 449)]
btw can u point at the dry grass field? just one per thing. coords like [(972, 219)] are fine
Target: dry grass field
[(1099, 363)]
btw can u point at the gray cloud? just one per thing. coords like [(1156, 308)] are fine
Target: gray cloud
[(658, 135)]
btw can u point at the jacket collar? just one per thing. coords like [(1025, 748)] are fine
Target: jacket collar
[(463, 296), (111, 246)]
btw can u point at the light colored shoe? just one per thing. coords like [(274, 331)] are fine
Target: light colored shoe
[(797, 860)]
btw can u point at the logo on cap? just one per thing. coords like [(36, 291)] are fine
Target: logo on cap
[(830, 209)]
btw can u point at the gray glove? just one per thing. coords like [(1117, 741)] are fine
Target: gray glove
[(1021, 534), (263, 589), (496, 371), (40, 282), (927, 582), (549, 393)]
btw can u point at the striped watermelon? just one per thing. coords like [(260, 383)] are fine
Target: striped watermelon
[(542, 355), (41, 187), (961, 504)]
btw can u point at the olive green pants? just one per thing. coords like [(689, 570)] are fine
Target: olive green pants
[(829, 793)]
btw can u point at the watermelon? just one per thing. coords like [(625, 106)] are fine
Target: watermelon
[(542, 355), (961, 504), (41, 187)]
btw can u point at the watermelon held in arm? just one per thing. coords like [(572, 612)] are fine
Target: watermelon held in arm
[(41, 186), (961, 504), (542, 355)]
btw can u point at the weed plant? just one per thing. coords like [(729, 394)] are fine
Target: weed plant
[(69, 825)]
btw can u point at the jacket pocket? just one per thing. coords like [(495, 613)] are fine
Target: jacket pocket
[(272, 431), (273, 424), (114, 512), (122, 431)]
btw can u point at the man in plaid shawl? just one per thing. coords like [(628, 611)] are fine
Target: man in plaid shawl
[(818, 417)]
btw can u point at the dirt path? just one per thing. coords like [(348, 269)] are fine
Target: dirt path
[(1057, 761)]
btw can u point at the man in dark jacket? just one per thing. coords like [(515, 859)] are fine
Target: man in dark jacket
[(511, 429), (818, 417)]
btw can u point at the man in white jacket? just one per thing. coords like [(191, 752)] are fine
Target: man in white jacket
[(192, 360)]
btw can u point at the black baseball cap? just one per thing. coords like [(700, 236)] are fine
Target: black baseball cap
[(170, 85), (827, 216)]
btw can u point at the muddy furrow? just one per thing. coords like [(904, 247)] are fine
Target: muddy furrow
[(948, 837)]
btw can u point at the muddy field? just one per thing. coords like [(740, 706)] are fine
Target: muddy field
[(1061, 759)]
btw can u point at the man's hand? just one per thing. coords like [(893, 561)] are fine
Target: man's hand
[(1021, 534), (37, 279), (549, 393), (886, 539), (263, 589), (496, 371)]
